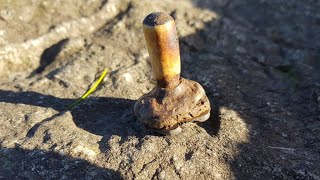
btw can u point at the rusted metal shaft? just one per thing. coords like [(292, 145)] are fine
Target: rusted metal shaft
[(163, 47)]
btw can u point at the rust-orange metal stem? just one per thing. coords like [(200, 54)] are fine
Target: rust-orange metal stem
[(163, 47)]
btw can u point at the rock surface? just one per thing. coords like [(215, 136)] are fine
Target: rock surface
[(257, 60)]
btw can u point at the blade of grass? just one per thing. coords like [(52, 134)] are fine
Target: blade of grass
[(86, 94)]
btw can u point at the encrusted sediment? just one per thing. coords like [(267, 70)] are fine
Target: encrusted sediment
[(167, 108)]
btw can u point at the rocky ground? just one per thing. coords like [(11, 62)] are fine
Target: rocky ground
[(259, 62)]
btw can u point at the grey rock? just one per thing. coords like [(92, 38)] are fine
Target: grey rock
[(258, 62)]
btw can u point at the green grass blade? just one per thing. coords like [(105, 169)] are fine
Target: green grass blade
[(94, 87)]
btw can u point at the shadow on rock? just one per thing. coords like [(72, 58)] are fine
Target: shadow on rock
[(17, 163), (237, 58), (212, 125), (99, 115)]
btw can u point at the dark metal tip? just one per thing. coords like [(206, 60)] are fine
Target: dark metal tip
[(157, 18)]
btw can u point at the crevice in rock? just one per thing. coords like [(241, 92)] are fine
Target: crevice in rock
[(146, 164)]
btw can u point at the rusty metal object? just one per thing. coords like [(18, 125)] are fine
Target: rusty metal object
[(163, 47), (174, 100)]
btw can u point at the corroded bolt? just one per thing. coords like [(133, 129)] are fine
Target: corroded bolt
[(174, 100)]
